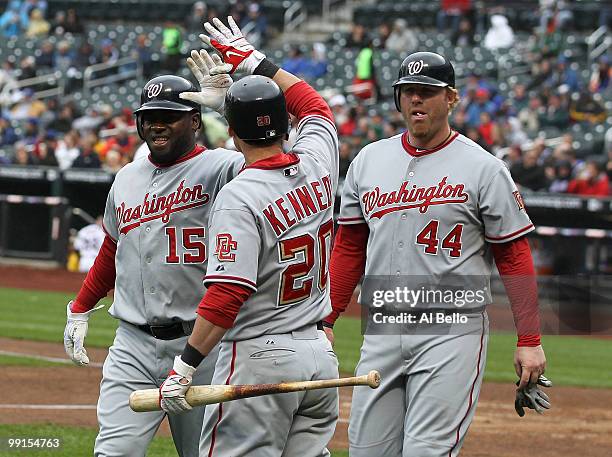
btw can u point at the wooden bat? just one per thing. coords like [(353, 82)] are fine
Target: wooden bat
[(148, 399)]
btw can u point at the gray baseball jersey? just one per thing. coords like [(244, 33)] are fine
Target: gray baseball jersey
[(272, 229), (430, 214), (158, 216)]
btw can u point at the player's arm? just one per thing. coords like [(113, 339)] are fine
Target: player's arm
[(505, 224), (98, 283), (515, 266), (318, 139)]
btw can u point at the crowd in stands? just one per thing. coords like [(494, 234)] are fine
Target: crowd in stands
[(508, 123)]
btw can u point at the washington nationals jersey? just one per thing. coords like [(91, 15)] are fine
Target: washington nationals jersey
[(432, 212), (158, 217), (272, 229)]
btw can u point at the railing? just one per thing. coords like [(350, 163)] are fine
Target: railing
[(51, 79), (294, 16), (598, 42), (126, 68)]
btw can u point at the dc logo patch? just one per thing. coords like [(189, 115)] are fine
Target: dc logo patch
[(263, 121), (414, 68), (225, 246), (519, 200), (154, 90)]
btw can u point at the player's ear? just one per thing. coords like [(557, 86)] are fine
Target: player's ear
[(196, 121)]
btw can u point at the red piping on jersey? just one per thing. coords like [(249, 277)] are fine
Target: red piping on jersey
[(510, 235), (382, 212), (351, 220), (450, 453), (410, 149), (218, 278), (274, 162), (197, 150), (227, 382)]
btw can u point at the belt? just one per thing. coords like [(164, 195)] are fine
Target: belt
[(170, 331)]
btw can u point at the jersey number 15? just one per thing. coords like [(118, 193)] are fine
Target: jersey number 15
[(192, 242), (296, 282)]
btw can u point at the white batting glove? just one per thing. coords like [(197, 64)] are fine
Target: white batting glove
[(173, 389), (212, 88), (74, 335), (232, 45)]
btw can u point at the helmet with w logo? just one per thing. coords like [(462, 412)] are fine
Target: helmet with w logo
[(427, 68)]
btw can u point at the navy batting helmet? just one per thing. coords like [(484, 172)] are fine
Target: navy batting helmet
[(162, 93), (426, 68), (255, 109)]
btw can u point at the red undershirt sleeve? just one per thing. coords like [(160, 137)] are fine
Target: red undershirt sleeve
[(346, 266), (221, 303), (515, 266), (99, 280)]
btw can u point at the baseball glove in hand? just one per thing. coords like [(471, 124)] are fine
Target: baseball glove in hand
[(173, 389), (212, 87), (232, 45), (532, 397)]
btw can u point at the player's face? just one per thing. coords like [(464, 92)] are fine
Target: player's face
[(425, 110), (169, 134)]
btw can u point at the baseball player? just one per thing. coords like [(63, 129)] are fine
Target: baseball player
[(267, 282), (154, 255), (419, 206), (88, 242)]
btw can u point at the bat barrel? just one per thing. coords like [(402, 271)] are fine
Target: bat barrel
[(373, 379)]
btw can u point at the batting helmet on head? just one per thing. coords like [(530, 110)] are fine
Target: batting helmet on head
[(162, 93), (255, 109), (427, 68)]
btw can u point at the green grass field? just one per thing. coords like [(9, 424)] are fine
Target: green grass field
[(33, 315)]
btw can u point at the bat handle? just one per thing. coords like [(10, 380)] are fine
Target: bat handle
[(373, 379)]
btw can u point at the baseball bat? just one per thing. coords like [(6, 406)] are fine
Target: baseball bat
[(148, 399)]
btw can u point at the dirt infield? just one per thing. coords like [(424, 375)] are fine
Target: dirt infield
[(580, 423)]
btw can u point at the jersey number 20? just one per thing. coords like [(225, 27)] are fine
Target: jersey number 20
[(295, 281)]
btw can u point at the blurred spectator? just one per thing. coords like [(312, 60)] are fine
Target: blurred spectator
[(563, 174), (459, 121), (556, 11), (346, 156), (46, 58), (108, 53), (528, 173), (27, 68), (488, 130), (85, 55), (67, 150), (402, 40), (365, 77), (529, 116), (562, 74), (22, 156), (382, 35), (58, 26), (256, 25), (609, 165), (347, 128), (63, 121), (28, 7), (88, 242), (357, 38), (464, 36), (88, 157), (9, 89), (295, 62), (90, 121), (30, 131), (474, 134), (540, 72), (500, 35), (143, 55), (555, 115), (12, 22), (451, 11), (171, 47), (38, 26), (196, 19), (122, 142), (46, 154), (318, 62), (28, 107), (64, 57), (519, 98), (600, 78), (7, 133), (113, 161), (586, 109), (591, 181), (73, 23), (482, 104), (550, 40)]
